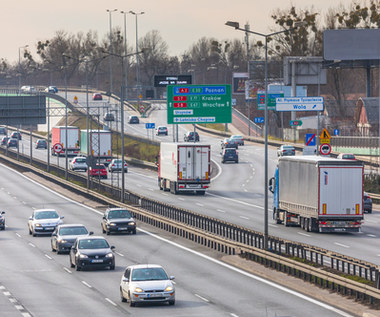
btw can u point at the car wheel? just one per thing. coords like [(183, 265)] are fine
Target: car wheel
[(237, 161), (103, 229), (71, 264), (58, 251), (134, 231), (172, 302), (122, 298), (131, 303), (78, 268), (112, 267), (30, 231), (52, 248), (370, 211), (34, 234), (107, 232)]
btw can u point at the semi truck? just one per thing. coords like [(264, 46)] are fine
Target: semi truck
[(319, 194), (59, 137), (184, 167), (100, 146)]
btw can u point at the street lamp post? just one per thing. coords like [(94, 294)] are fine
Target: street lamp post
[(266, 36), (19, 64), (110, 19), (125, 53)]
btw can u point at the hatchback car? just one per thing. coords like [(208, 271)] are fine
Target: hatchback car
[(64, 236), (97, 96), (133, 119), (2, 220), (229, 143), (118, 220), (12, 143), (4, 140), (41, 144), (92, 251), (161, 130), (44, 221), (238, 139), (230, 155), (16, 135), (367, 203), (346, 156), (190, 135), (116, 165), (146, 283), (109, 116), (286, 150), (78, 163), (99, 170)]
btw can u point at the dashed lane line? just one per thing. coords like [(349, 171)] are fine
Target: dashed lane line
[(85, 283), (202, 298), (67, 270), (110, 301), (304, 234), (341, 245)]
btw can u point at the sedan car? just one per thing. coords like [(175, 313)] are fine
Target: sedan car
[(4, 140), (109, 116), (116, 165), (162, 130), (286, 150), (367, 203), (229, 143), (97, 96), (238, 139), (16, 135), (346, 156), (146, 283), (64, 236), (12, 143), (118, 220), (99, 170), (92, 251), (78, 163), (2, 220), (51, 89), (229, 155), (190, 135), (133, 119), (41, 144), (44, 221)]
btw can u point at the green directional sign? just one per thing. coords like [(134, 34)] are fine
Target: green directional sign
[(295, 123), (271, 100), (199, 104)]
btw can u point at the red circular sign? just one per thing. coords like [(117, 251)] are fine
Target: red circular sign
[(325, 149), (57, 148)]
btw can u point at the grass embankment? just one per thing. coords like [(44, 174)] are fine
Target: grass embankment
[(215, 126)]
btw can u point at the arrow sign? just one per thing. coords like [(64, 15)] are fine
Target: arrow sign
[(300, 104), (294, 123)]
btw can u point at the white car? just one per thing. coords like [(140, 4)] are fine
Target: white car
[(44, 221), (162, 130), (116, 164), (78, 163), (145, 283)]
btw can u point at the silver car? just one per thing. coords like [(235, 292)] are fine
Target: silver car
[(238, 139), (44, 221), (116, 164), (144, 283), (286, 150), (64, 236), (78, 163)]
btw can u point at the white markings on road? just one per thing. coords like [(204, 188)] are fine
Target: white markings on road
[(110, 301), (199, 204), (220, 210), (202, 298), (180, 198), (304, 234), (34, 208), (273, 226), (236, 201), (49, 257), (67, 270), (2, 287), (151, 189), (32, 245), (371, 235), (7, 293), (119, 253), (165, 194), (242, 185), (24, 202), (17, 234), (14, 197), (247, 181), (251, 165), (245, 189), (85, 283), (26, 315), (139, 185), (13, 300), (341, 245), (19, 307), (234, 315), (242, 217)]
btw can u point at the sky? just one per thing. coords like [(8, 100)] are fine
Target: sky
[(180, 23)]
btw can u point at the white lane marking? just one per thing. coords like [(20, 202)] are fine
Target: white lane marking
[(7, 293), (202, 298), (32, 245), (165, 194), (17, 234), (245, 189), (119, 253), (199, 204), (67, 270), (236, 201), (242, 185), (341, 245), (14, 197), (13, 300), (49, 257), (26, 315), (110, 301), (24, 202), (271, 225), (219, 170), (250, 177), (304, 234), (242, 217), (371, 235), (251, 165), (19, 307), (2, 287), (34, 208), (220, 210), (139, 185), (151, 189), (234, 315), (247, 181), (180, 198), (85, 283)]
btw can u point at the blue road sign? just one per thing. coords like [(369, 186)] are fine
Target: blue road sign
[(310, 139), (150, 125), (336, 132), (258, 120)]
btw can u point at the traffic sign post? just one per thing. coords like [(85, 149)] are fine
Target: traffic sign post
[(324, 137), (58, 148), (300, 104), (310, 139), (258, 120), (295, 123), (199, 104), (75, 99), (325, 149)]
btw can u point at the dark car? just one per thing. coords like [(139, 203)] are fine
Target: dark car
[(229, 143), (2, 220), (92, 251), (189, 136), (99, 170), (3, 130), (16, 135), (12, 143), (118, 220), (51, 89), (41, 144), (229, 155), (109, 116), (4, 140), (133, 119), (97, 96), (64, 236), (367, 203), (286, 150)]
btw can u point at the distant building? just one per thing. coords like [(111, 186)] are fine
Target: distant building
[(367, 116)]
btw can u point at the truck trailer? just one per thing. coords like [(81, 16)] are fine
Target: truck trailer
[(100, 145), (184, 167), (317, 193), (59, 137)]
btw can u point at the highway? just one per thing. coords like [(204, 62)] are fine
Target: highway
[(236, 194), (34, 281)]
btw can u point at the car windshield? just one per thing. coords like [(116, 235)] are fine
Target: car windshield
[(119, 214), (93, 244), (81, 160), (149, 274), (46, 215), (236, 137), (288, 147), (72, 231), (117, 161), (230, 151), (102, 167)]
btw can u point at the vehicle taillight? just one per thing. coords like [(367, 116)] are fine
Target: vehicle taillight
[(322, 222)]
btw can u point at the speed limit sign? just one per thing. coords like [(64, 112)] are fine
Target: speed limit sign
[(58, 148)]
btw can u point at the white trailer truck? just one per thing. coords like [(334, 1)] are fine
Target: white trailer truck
[(100, 145), (184, 167), (317, 193), (59, 137)]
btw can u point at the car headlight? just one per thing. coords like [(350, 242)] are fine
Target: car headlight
[(112, 224), (61, 241), (131, 223), (38, 225), (83, 256), (109, 255), (169, 289), (138, 290)]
